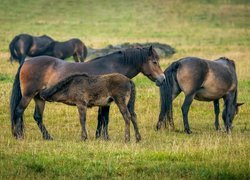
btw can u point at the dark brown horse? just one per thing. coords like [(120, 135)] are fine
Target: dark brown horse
[(26, 45), (86, 91), (202, 80), (44, 71), (62, 50)]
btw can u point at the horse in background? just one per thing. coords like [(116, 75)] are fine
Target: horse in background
[(24, 45), (202, 80), (48, 71), (62, 50)]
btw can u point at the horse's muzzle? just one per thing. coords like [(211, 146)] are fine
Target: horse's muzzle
[(160, 79)]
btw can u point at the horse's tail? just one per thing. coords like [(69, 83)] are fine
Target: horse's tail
[(15, 99), (131, 102), (13, 54), (166, 90)]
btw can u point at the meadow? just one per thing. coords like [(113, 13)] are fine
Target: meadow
[(207, 29)]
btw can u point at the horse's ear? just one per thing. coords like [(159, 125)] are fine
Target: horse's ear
[(151, 50), (239, 104)]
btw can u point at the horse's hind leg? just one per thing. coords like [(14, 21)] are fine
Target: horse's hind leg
[(19, 126), (217, 112), (185, 108), (38, 116)]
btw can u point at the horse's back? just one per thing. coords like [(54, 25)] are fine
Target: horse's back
[(38, 72), (191, 73)]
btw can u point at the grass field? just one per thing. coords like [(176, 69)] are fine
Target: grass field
[(207, 29)]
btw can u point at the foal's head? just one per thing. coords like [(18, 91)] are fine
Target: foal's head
[(151, 67)]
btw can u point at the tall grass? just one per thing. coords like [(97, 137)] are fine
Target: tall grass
[(207, 29)]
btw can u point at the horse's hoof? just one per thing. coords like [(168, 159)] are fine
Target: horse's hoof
[(106, 138), (84, 138), (48, 138), (97, 135), (127, 139), (19, 137), (138, 138), (158, 126), (188, 131)]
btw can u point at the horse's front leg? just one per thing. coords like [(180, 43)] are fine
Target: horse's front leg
[(99, 124), (105, 123), (82, 113), (227, 112), (217, 112)]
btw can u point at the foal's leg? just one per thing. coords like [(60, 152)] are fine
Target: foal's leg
[(38, 116), (217, 112), (185, 108), (82, 113), (126, 116), (19, 126), (134, 121)]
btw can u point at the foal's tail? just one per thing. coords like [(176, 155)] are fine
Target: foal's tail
[(15, 99), (13, 54), (166, 90), (131, 102)]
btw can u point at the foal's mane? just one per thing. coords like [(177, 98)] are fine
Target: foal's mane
[(134, 56)]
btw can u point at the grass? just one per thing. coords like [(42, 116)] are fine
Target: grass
[(207, 29)]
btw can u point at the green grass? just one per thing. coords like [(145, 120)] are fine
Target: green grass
[(207, 29)]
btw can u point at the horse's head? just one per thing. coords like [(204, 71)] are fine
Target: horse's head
[(235, 111), (151, 68)]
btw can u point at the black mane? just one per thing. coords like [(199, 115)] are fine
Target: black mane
[(133, 56)]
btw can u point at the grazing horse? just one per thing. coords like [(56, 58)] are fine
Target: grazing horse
[(62, 50), (45, 71), (202, 80), (26, 45), (86, 91)]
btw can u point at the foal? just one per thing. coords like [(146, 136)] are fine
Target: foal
[(86, 91)]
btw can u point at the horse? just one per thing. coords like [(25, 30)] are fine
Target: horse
[(24, 45), (86, 91), (45, 71), (62, 50), (203, 80)]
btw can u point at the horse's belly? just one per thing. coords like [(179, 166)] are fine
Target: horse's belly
[(206, 95)]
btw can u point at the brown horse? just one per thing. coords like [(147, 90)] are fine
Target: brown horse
[(44, 71), (202, 80), (26, 45), (86, 91), (62, 50)]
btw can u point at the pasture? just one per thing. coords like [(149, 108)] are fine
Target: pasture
[(207, 29)]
